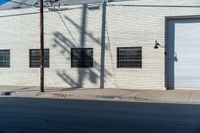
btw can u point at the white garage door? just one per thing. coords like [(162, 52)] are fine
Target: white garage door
[(184, 54)]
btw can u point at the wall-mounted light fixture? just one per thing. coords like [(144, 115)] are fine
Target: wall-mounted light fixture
[(157, 45)]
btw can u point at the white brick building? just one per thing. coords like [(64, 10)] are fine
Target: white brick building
[(132, 24)]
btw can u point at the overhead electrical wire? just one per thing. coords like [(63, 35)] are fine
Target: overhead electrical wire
[(21, 3), (61, 18)]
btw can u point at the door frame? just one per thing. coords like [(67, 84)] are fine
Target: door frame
[(167, 19)]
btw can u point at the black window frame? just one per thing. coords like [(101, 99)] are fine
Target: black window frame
[(38, 58), (7, 64), (83, 63), (139, 60)]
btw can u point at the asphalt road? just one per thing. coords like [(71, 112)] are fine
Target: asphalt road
[(25, 115)]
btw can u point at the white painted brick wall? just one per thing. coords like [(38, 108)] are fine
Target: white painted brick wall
[(129, 25)]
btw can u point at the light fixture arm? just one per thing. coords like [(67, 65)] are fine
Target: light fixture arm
[(157, 45)]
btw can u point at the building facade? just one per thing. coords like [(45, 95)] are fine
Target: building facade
[(76, 56)]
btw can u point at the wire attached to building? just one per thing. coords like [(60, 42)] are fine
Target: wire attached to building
[(61, 18)]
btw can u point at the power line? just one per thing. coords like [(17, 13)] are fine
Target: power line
[(67, 28), (21, 3)]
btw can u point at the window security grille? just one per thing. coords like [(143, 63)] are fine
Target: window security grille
[(81, 57), (129, 57), (4, 58), (35, 58)]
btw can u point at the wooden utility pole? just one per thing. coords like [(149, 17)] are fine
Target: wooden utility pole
[(41, 46)]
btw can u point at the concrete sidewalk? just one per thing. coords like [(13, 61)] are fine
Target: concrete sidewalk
[(171, 96)]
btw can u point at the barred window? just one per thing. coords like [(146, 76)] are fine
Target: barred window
[(129, 57), (4, 58), (35, 58), (82, 57)]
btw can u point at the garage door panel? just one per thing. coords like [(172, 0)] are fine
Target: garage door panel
[(184, 44)]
